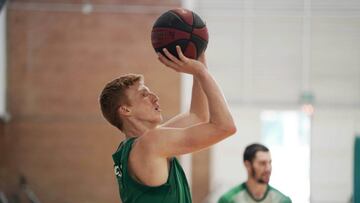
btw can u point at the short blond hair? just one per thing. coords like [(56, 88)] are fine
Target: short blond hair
[(114, 94)]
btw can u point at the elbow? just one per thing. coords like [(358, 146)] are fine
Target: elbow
[(231, 129), (228, 130)]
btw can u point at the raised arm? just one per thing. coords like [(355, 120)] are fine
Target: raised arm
[(199, 111), (167, 142)]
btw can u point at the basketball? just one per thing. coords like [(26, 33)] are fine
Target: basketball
[(180, 27)]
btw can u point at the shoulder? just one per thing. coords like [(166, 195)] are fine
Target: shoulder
[(148, 141), (229, 195), (283, 197), (142, 146), (145, 166)]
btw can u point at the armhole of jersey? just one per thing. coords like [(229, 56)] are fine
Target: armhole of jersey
[(135, 182)]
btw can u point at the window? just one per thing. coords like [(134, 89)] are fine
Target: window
[(287, 135)]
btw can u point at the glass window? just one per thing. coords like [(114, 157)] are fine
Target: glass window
[(287, 134)]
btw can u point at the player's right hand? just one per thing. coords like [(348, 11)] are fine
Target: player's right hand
[(183, 64)]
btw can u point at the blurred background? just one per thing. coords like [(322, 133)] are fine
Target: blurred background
[(290, 70)]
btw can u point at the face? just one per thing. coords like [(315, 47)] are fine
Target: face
[(260, 168), (144, 104)]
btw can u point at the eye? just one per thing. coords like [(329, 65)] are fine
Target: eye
[(144, 94)]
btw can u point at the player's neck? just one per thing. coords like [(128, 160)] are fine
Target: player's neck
[(256, 189), (136, 128)]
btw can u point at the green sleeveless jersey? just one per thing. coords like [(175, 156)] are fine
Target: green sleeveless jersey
[(240, 194), (175, 190)]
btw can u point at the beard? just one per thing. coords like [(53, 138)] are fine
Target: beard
[(259, 178)]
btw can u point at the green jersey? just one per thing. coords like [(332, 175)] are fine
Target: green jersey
[(240, 194), (175, 190)]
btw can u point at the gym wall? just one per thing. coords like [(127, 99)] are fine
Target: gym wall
[(61, 54)]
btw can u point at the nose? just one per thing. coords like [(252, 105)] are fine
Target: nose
[(155, 98)]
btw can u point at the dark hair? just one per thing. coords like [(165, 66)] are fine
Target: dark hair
[(114, 95), (251, 150)]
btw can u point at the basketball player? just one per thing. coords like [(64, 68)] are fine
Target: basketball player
[(145, 164), (256, 189)]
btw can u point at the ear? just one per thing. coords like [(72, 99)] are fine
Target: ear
[(124, 110), (247, 164)]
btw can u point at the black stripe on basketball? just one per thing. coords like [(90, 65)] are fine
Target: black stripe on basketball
[(172, 20), (172, 47), (198, 22), (200, 44)]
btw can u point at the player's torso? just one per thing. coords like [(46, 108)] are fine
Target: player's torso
[(244, 196), (175, 190)]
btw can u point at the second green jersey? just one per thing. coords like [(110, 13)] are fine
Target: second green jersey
[(240, 194), (175, 190)]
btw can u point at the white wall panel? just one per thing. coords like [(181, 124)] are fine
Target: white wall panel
[(269, 51), (332, 155)]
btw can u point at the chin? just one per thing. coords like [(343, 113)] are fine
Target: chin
[(160, 119)]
